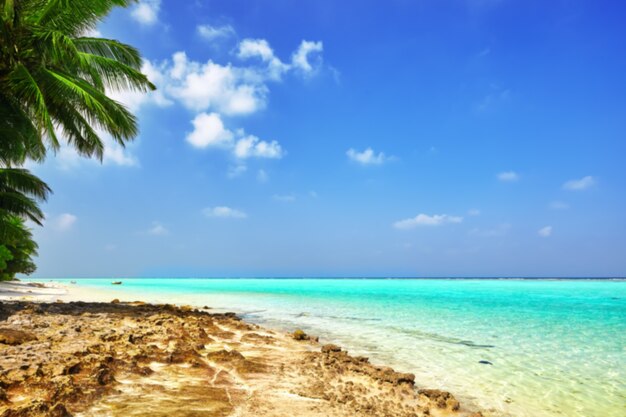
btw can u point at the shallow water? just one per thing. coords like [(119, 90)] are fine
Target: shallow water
[(553, 347)]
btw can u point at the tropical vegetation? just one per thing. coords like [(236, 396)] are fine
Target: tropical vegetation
[(55, 80)]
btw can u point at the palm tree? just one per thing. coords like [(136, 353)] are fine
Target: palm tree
[(16, 254), (20, 192), (54, 78)]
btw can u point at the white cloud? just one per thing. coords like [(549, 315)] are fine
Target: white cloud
[(213, 33), (209, 130), (284, 198), (158, 229), (260, 48), (217, 92), (545, 231), (473, 212), (426, 220), (222, 88), (251, 146), (64, 222), (558, 205), (580, 184), (300, 58), (147, 12), (508, 176), (367, 157), (224, 212)]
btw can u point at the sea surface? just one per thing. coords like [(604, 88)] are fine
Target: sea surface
[(524, 348)]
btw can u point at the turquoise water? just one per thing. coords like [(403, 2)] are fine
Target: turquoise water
[(556, 347)]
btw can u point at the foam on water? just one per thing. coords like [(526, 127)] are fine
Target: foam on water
[(553, 348)]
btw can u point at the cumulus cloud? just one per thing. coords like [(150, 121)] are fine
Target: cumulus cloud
[(146, 12), (213, 33), (580, 184), (224, 212), (508, 176), (545, 231), (426, 220), (209, 131), (223, 88), (158, 229), (367, 157), (260, 48), (64, 221), (217, 93), (251, 146), (300, 58)]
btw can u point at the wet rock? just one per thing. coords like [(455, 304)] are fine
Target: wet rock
[(255, 337), (225, 356), (330, 348), (442, 399), (59, 410), (15, 337), (300, 335), (104, 376), (34, 409), (72, 369)]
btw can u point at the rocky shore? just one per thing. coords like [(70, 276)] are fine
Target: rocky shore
[(130, 359)]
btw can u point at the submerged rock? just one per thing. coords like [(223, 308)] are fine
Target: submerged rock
[(300, 335)]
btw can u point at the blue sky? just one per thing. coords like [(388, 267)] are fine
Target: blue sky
[(357, 138)]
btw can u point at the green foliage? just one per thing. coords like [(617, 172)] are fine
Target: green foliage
[(54, 79), (5, 255), (20, 250), (19, 193)]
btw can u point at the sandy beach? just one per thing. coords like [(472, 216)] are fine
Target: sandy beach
[(69, 352)]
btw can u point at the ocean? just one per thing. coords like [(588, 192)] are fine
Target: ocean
[(511, 347)]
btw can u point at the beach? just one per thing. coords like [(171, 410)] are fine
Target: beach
[(506, 348), (62, 357)]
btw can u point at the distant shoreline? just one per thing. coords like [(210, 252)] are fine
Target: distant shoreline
[(353, 278)]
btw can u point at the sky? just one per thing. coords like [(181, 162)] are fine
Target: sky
[(426, 138)]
